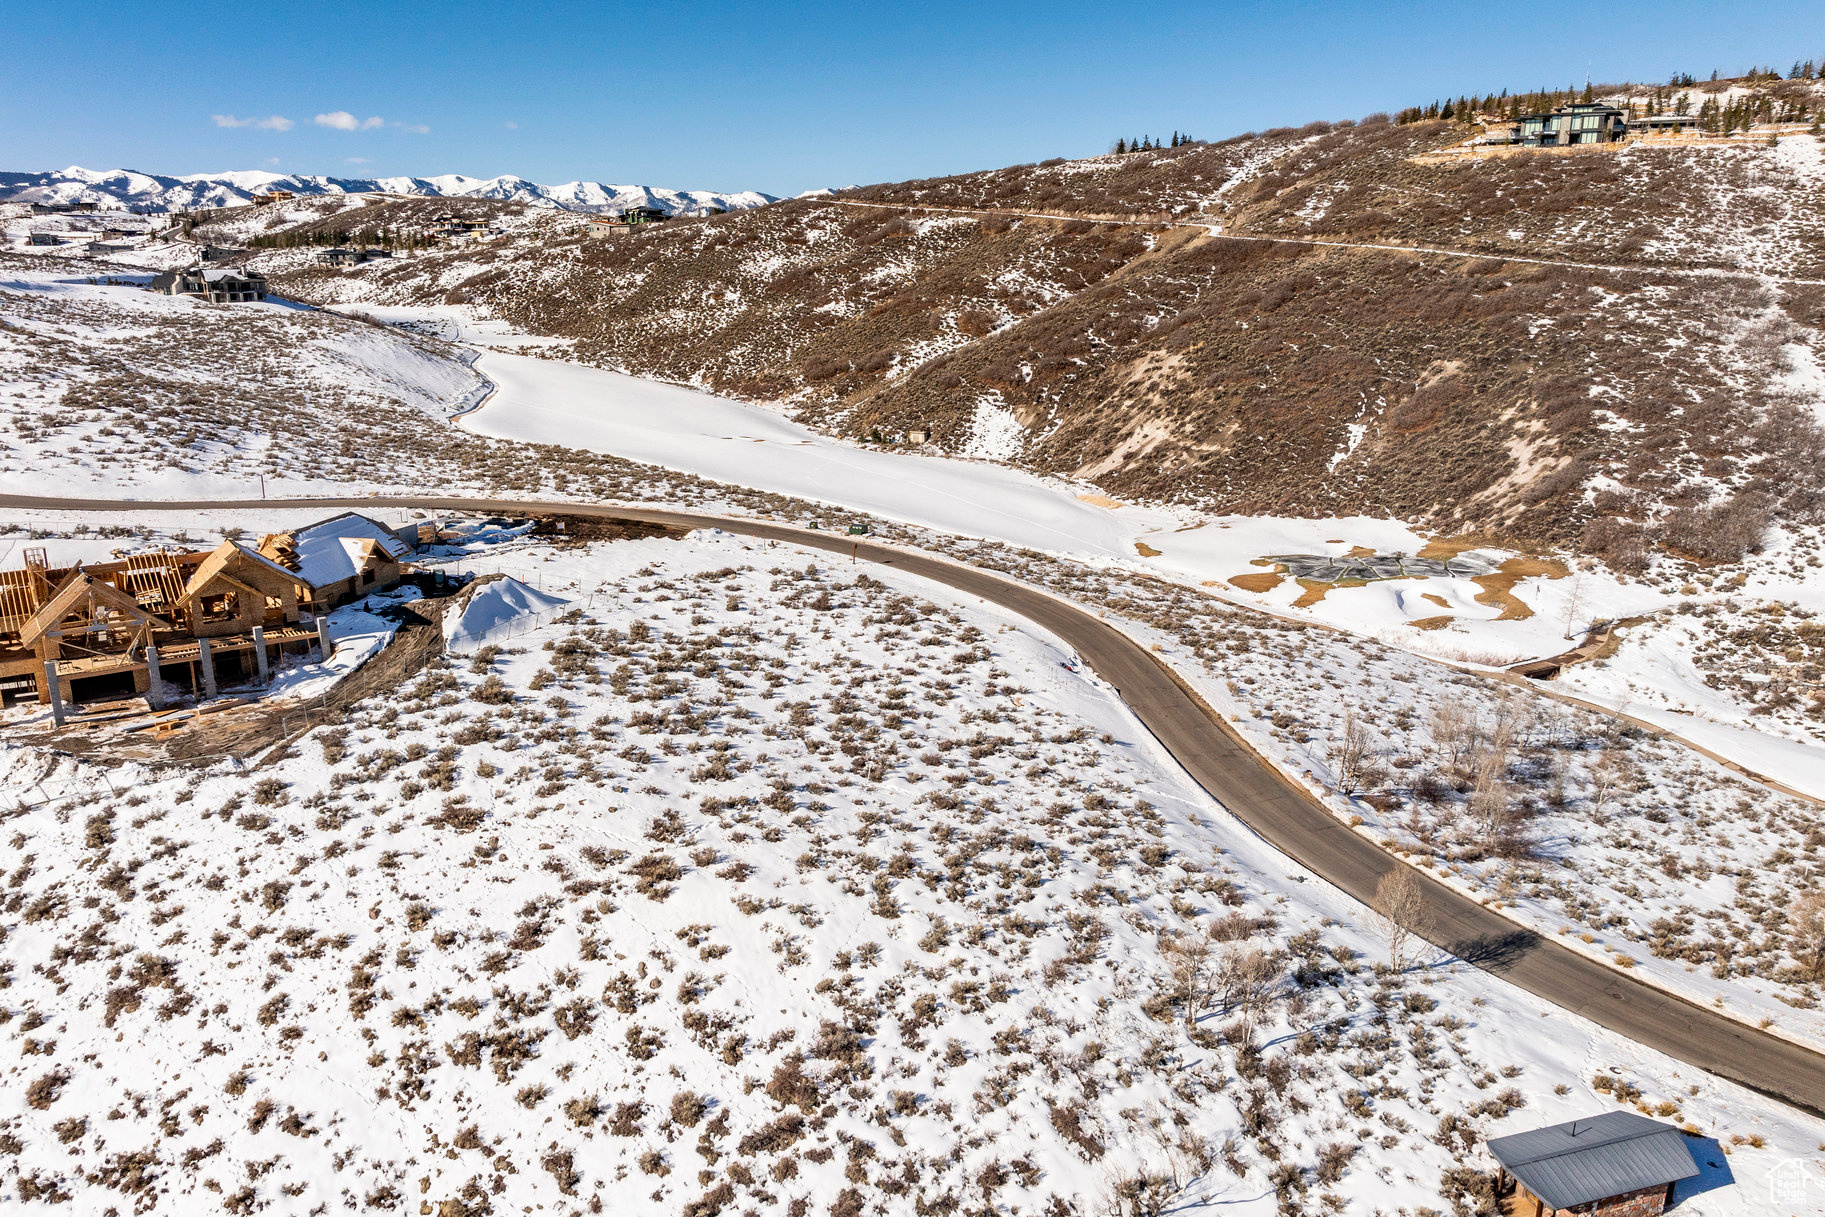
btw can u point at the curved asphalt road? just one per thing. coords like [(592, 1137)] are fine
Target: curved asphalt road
[(1223, 765)]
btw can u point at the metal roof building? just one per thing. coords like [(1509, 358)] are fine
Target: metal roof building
[(1615, 1162)]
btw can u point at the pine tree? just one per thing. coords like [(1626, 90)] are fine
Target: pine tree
[(1121, 146)]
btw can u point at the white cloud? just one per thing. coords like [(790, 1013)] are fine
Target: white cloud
[(512, 126), (413, 128), (275, 122), (357, 160), (342, 120)]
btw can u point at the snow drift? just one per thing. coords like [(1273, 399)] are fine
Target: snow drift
[(497, 609)]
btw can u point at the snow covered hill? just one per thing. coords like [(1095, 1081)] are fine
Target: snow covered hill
[(158, 192)]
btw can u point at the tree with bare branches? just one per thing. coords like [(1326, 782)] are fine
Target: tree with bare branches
[(1806, 938), (1352, 753), (1401, 913), (1244, 979), (1188, 960)]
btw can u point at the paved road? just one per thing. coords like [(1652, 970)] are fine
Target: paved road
[(1233, 774)]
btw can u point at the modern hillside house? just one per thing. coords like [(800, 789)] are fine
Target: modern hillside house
[(218, 285), (643, 215), (351, 257), (1579, 123), (1674, 123)]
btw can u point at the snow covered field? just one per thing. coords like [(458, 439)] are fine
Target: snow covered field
[(752, 882), (1715, 939), (112, 391), (679, 428)]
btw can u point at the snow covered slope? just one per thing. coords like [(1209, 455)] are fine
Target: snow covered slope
[(752, 885), (159, 192)]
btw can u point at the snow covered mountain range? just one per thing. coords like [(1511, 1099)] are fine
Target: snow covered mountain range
[(158, 192)]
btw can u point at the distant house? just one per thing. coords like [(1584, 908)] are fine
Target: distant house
[(43, 238), (351, 257), (445, 227), (262, 198), (218, 285), (1654, 123), (53, 209), (1579, 123), (605, 226), (1614, 1164), (103, 247), (643, 215), (221, 253), (919, 435)]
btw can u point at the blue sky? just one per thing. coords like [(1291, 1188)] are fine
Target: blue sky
[(777, 97)]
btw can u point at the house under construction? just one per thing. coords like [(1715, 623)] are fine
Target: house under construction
[(167, 624)]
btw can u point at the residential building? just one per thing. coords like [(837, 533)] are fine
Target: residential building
[(163, 623), (43, 238), (1614, 1164), (1578, 123), (340, 559), (643, 215), (351, 257), (217, 285), (1663, 123)]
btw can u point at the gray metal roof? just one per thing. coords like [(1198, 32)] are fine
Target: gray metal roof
[(1595, 1158)]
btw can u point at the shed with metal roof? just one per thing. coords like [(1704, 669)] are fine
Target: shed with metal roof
[(1615, 1164)]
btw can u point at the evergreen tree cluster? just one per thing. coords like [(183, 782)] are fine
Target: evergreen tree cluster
[(384, 238), (1147, 143), (1722, 119), (1662, 99)]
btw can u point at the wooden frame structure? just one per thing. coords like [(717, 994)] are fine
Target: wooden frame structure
[(165, 621)]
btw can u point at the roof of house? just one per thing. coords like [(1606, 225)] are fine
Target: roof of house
[(231, 555), (76, 586), (339, 547), (1595, 1158), (214, 274)]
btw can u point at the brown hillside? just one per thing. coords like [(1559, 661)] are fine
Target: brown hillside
[(1651, 393)]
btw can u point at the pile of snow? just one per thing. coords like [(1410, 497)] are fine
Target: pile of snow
[(496, 610), (159, 192)]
